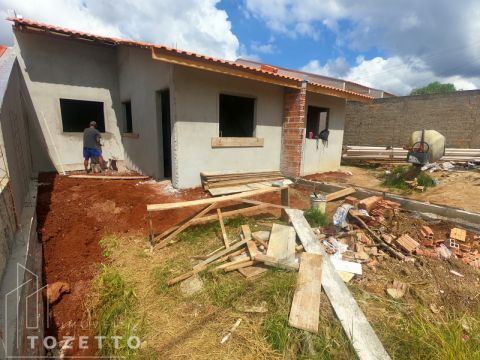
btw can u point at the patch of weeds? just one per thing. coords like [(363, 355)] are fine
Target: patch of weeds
[(236, 222), (224, 290), (115, 315), (197, 232), (107, 243), (423, 336), (316, 217), (400, 174), (278, 333)]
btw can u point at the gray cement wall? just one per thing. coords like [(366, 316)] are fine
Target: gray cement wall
[(140, 78), (318, 156), (390, 121), (196, 98), (76, 71)]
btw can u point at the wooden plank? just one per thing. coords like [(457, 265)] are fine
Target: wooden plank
[(187, 224), (247, 234), (341, 193), (355, 324), (222, 227), (243, 181), (305, 309), (237, 172), (240, 188), (281, 245), (252, 271), (106, 177), (220, 199), (231, 263), (252, 249), (227, 142)]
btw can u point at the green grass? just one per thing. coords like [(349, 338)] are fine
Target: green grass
[(316, 217), (115, 314), (396, 178)]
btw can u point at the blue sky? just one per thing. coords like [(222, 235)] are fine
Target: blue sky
[(391, 45), (283, 49)]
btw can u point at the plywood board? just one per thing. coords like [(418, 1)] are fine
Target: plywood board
[(305, 309), (252, 271), (281, 245)]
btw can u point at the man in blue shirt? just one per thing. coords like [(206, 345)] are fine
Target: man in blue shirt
[(91, 146)]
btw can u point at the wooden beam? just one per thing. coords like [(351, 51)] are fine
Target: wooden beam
[(227, 69), (305, 309), (239, 266), (107, 177), (247, 234), (256, 202), (228, 142), (361, 334), (339, 194), (220, 254), (222, 227), (281, 245), (219, 199)]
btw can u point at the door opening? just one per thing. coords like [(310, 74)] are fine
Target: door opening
[(163, 114)]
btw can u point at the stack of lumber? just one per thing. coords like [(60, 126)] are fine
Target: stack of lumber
[(218, 183), (397, 154)]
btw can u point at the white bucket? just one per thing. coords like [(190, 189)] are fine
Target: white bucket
[(319, 202)]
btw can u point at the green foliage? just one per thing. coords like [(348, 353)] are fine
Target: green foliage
[(316, 218), (400, 174), (115, 315), (434, 88)]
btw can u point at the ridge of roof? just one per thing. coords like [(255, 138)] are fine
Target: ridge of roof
[(119, 41)]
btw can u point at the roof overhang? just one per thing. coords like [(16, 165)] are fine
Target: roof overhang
[(193, 60)]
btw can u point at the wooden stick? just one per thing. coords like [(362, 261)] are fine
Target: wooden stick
[(380, 241), (231, 263), (226, 257), (239, 266), (222, 226), (185, 225), (247, 234), (219, 199)]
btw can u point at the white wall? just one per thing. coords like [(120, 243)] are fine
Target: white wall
[(139, 78), (316, 156), (55, 68), (197, 121)]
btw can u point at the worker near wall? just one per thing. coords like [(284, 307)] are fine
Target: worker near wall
[(91, 145)]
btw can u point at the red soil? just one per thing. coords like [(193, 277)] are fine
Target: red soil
[(336, 176), (74, 214)]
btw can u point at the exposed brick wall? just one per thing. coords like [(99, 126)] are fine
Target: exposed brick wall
[(293, 130), (390, 121)]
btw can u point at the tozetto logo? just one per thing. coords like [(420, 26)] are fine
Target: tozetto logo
[(22, 302), (83, 342)]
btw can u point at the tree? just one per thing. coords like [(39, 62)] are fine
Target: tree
[(434, 88)]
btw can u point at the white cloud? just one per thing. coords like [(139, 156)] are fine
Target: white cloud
[(195, 25), (443, 34), (392, 74), (263, 48)]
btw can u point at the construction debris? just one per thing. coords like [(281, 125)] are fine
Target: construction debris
[(397, 290), (232, 330)]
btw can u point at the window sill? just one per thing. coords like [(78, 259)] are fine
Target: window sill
[(229, 142), (130, 135)]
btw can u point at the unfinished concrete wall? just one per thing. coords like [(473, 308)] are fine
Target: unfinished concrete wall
[(196, 122), (140, 78), (325, 156), (390, 121), (62, 68)]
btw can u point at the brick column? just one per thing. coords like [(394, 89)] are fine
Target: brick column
[(293, 130)]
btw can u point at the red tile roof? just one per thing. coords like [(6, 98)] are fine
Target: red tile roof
[(3, 48), (19, 22)]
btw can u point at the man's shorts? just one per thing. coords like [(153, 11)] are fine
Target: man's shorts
[(91, 153)]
